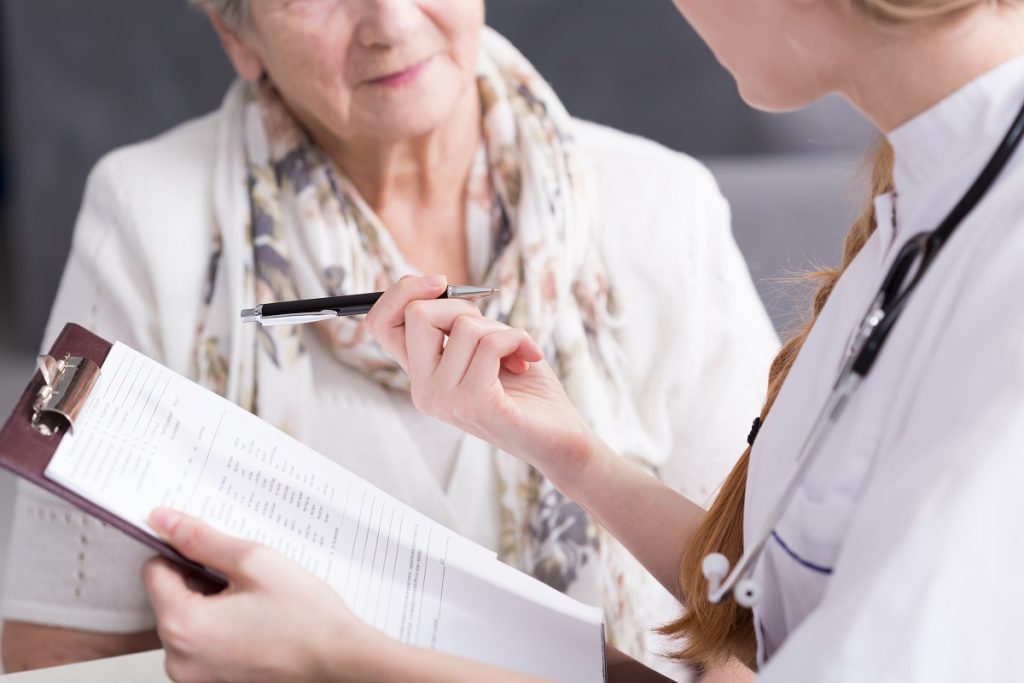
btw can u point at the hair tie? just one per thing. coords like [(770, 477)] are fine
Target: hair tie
[(754, 429)]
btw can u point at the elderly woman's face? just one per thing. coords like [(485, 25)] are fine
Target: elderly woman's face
[(379, 69)]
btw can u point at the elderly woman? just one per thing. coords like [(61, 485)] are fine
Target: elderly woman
[(364, 141)]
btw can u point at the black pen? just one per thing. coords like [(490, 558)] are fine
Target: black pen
[(315, 310)]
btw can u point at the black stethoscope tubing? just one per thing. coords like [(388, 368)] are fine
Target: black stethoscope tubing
[(924, 247)]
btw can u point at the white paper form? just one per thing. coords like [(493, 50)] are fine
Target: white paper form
[(148, 437)]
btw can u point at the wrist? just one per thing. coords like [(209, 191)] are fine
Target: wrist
[(359, 655), (588, 461)]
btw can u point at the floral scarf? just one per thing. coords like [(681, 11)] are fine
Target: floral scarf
[(530, 207)]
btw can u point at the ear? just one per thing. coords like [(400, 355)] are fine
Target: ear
[(245, 59)]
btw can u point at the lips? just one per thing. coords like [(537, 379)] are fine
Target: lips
[(401, 77)]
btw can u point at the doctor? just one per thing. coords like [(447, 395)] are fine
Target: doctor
[(878, 512)]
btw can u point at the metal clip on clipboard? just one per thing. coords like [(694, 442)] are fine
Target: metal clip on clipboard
[(66, 384), (50, 407)]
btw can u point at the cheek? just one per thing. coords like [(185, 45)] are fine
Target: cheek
[(309, 70), (458, 23), (314, 68)]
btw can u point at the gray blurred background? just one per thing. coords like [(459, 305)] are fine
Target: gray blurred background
[(78, 79)]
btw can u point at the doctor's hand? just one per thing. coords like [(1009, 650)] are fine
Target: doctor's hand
[(484, 377), (275, 621)]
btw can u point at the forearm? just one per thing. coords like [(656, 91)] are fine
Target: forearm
[(393, 662), (650, 519), (34, 646), (731, 671)]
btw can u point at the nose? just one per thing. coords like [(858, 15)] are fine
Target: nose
[(385, 23)]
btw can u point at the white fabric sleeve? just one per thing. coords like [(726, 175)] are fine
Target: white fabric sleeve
[(929, 583), (64, 568), (725, 344)]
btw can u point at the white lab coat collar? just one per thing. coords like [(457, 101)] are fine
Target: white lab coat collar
[(941, 150)]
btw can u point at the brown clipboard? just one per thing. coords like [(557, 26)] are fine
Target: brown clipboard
[(47, 410)]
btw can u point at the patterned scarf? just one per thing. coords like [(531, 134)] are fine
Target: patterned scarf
[(530, 206)]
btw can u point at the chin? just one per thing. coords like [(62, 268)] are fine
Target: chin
[(773, 100), (413, 113), (396, 123), (403, 128)]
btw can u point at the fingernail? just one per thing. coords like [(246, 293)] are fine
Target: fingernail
[(163, 520), (437, 280)]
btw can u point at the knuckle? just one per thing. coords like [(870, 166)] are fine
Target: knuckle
[(492, 343), (463, 325), (417, 309), (469, 308)]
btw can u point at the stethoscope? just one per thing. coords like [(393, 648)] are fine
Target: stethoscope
[(910, 265)]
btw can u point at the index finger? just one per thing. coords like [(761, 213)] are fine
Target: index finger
[(386, 320)]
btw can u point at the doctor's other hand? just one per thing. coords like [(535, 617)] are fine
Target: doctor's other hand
[(274, 622), (482, 376)]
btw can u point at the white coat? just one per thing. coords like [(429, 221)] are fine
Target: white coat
[(903, 555)]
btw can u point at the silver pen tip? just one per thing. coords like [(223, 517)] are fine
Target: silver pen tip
[(251, 315), (470, 292)]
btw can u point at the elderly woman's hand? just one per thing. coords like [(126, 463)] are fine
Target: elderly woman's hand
[(275, 621), (486, 378)]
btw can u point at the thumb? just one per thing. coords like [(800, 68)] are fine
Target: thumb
[(200, 542)]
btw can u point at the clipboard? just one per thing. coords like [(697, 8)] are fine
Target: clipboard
[(47, 411)]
